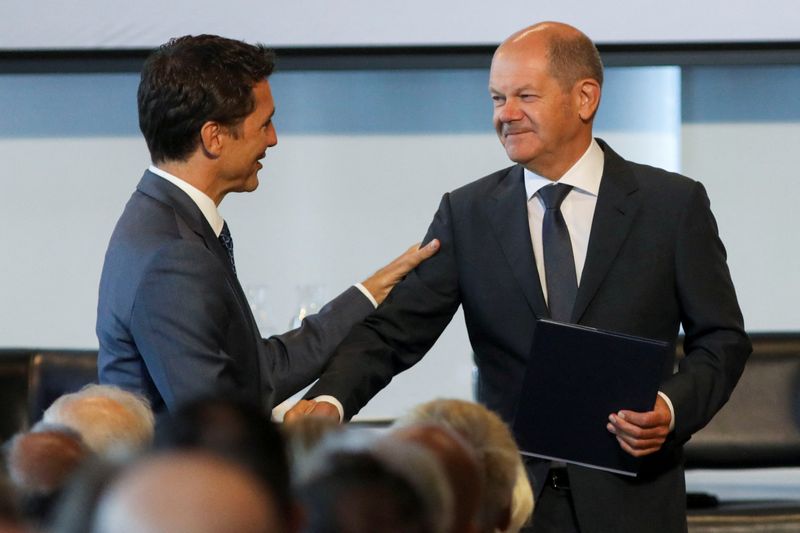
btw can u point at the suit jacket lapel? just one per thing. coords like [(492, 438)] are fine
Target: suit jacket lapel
[(617, 204), (508, 215), (166, 192)]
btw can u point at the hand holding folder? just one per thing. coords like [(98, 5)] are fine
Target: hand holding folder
[(641, 434), (576, 377)]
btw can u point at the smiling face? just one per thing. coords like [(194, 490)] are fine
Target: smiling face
[(542, 125), (246, 144)]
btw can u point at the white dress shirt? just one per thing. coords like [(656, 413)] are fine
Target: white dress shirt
[(577, 208), (201, 199), (578, 212)]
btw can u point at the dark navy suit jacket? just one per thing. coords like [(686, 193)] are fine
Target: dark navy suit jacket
[(173, 322), (654, 261)]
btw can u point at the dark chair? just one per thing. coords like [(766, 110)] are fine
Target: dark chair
[(759, 427), (13, 391), (54, 373)]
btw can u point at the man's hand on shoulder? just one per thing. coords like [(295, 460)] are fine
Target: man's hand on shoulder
[(305, 408), (641, 434), (381, 282)]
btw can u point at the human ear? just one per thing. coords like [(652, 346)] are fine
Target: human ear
[(588, 93), (211, 138)]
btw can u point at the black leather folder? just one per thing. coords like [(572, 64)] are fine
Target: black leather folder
[(576, 377)]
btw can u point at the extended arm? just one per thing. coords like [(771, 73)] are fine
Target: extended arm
[(401, 331)]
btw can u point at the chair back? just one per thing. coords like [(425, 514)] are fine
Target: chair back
[(55, 373), (13, 391), (760, 425)]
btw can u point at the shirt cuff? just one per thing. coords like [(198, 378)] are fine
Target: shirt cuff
[(331, 400), (366, 293), (671, 410)]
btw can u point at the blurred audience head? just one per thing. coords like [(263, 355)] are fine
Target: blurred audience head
[(460, 466), (39, 465), (495, 449), (239, 432), (304, 434), (9, 513), (75, 510), (521, 500), (187, 492), (359, 491), (425, 473), (112, 422)]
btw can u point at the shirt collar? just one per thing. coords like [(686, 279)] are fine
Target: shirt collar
[(203, 202), (584, 175)]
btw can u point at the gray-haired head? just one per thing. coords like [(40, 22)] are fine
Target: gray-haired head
[(111, 421)]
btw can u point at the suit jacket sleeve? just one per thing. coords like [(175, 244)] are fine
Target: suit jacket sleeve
[(403, 328), (716, 345), (188, 327), (296, 358)]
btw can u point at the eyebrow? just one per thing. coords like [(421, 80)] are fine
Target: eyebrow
[(526, 87)]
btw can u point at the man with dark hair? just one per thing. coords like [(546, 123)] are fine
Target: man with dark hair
[(575, 233), (357, 492), (191, 80), (173, 323)]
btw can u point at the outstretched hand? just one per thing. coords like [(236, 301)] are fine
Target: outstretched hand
[(383, 281), (641, 434)]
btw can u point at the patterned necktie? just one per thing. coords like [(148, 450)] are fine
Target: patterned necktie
[(559, 263), (227, 243)]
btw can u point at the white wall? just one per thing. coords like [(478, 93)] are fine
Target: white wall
[(148, 23), (750, 171), (740, 137)]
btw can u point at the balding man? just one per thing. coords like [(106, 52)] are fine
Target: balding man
[(630, 248), (40, 464), (188, 492)]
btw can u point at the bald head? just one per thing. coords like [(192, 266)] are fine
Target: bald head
[(187, 492), (545, 84), (460, 465), (43, 461), (571, 55)]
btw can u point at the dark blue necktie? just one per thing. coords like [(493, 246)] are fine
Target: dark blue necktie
[(562, 285), (559, 263), (227, 243)]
